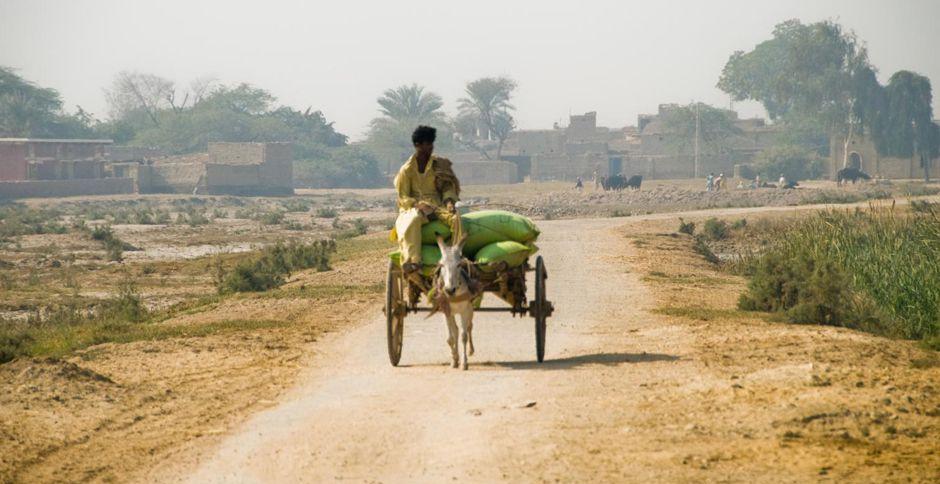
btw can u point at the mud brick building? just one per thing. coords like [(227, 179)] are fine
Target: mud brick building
[(226, 168), (35, 167)]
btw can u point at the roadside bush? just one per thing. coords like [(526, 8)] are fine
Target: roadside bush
[(715, 229), (873, 270), (327, 212), (113, 246), (271, 267), (686, 227)]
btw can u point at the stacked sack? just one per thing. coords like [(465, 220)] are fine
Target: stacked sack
[(493, 236)]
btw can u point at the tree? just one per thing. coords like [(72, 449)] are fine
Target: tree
[(716, 128), (135, 93), (907, 128), (817, 73), (347, 167), (487, 101), (27, 110), (404, 108), (411, 104)]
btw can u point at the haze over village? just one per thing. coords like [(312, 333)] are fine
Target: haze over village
[(418, 241)]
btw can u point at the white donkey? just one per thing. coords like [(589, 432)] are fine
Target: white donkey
[(455, 294)]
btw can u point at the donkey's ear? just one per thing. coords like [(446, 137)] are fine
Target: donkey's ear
[(440, 244)]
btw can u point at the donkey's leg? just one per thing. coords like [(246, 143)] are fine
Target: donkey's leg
[(470, 331), (452, 338), (465, 319)]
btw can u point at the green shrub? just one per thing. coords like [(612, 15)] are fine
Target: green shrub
[(270, 268), (715, 229), (686, 227), (872, 270), (270, 218), (327, 212)]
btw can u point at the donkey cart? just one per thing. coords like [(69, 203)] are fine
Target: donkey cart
[(402, 296)]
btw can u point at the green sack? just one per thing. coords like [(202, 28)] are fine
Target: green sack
[(482, 228), (431, 230), (430, 256), (512, 253), (487, 226)]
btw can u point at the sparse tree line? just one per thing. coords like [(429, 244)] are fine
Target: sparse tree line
[(817, 82), (149, 110), (814, 80)]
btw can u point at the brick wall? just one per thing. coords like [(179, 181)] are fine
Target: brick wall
[(486, 172), (13, 161), (236, 153), (65, 188)]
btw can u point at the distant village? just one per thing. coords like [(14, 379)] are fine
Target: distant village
[(31, 167)]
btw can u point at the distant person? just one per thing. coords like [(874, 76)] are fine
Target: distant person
[(719, 180), (756, 183), (579, 184), (595, 180), (427, 190), (710, 182), (782, 182)]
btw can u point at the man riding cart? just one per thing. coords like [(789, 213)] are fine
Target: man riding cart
[(427, 190)]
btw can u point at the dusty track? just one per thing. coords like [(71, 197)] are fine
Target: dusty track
[(624, 395)]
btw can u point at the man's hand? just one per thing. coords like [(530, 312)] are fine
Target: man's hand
[(425, 208)]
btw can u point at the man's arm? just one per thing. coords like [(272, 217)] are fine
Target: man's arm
[(403, 187)]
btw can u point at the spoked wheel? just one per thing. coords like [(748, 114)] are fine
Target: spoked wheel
[(394, 312), (541, 308)]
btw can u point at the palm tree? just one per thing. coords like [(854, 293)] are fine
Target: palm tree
[(402, 109), (488, 101), (411, 104)]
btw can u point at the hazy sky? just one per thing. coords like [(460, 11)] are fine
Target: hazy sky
[(619, 58)]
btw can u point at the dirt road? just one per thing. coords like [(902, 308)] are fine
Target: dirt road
[(625, 394), (356, 417)]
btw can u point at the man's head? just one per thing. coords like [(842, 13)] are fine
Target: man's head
[(423, 139)]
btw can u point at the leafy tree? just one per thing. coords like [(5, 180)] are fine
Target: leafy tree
[(907, 128), (27, 110), (240, 113), (817, 73), (350, 166), (487, 101), (716, 128), (795, 162)]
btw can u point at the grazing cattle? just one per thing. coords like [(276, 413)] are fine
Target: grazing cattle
[(634, 182), (455, 292), (616, 182), (851, 174)]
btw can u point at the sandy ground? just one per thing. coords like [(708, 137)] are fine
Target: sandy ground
[(651, 374), (627, 393)]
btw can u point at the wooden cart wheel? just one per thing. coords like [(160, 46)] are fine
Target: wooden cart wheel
[(394, 312), (540, 313)]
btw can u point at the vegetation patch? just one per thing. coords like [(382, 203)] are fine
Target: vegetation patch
[(874, 270), (270, 268)]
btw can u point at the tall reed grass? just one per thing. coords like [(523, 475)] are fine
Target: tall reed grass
[(877, 270)]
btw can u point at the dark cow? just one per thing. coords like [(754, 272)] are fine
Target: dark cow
[(851, 174), (634, 182), (616, 183)]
